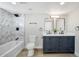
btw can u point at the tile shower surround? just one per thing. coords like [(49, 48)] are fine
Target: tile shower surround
[(8, 24)]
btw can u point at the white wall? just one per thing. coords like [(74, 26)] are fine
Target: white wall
[(35, 28), (72, 22)]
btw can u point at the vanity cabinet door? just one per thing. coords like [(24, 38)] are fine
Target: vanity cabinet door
[(54, 44), (63, 44), (67, 44), (46, 44), (70, 43), (51, 44)]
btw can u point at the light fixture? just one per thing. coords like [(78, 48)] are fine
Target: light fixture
[(13, 3), (54, 16), (61, 3)]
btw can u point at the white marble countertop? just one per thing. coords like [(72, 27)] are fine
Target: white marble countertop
[(67, 34)]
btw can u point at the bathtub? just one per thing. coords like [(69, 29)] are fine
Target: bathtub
[(11, 49)]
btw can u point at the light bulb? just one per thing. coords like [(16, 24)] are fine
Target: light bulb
[(54, 16), (13, 3), (61, 3)]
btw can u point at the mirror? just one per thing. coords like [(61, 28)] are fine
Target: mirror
[(60, 24), (48, 26)]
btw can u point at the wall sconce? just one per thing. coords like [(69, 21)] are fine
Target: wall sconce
[(77, 28), (54, 16)]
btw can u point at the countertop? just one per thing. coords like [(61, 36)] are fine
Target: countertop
[(67, 34)]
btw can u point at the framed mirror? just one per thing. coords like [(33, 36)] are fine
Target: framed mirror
[(60, 24), (48, 25)]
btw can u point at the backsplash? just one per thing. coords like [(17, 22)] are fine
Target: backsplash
[(8, 24)]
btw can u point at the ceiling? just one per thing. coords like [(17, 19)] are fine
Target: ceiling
[(52, 8)]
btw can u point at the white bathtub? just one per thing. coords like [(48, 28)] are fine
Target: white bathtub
[(11, 49)]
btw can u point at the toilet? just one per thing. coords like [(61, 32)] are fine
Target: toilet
[(31, 45)]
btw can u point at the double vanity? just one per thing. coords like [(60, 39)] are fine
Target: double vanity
[(59, 43)]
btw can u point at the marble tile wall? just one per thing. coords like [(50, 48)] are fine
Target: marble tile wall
[(8, 24)]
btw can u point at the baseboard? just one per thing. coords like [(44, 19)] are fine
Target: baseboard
[(36, 48), (24, 49), (39, 47)]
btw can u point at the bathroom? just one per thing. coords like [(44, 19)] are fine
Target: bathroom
[(25, 27)]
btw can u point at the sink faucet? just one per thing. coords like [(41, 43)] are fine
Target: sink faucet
[(49, 32)]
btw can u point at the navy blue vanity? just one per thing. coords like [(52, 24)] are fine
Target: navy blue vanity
[(60, 44)]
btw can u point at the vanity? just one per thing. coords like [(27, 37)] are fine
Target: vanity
[(62, 43)]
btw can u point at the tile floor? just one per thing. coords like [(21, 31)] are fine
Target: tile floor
[(39, 53)]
